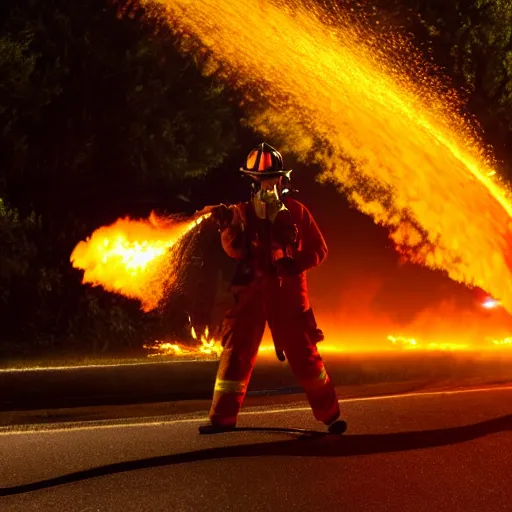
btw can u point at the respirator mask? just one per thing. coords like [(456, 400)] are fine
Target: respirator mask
[(267, 201)]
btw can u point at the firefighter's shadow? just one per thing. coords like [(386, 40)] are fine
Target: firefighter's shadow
[(313, 446)]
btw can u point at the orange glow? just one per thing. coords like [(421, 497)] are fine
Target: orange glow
[(208, 344), (372, 114), (395, 343), (133, 257), (207, 347), (507, 342), (446, 326), (362, 342), (412, 344), (491, 303)]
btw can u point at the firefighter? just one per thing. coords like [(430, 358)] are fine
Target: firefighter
[(275, 240)]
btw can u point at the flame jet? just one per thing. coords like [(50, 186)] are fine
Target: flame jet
[(134, 257), (370, 112)]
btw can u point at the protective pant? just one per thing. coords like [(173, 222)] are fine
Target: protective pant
[(278, 303)]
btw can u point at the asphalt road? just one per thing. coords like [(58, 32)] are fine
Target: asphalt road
[(172, 381), (439, 451)]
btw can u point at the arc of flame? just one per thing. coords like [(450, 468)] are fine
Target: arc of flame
[(132, 257), (412, 155)]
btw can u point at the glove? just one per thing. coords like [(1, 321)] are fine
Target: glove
[(223, 215), (287, 267), (315, 334), (287, 234)]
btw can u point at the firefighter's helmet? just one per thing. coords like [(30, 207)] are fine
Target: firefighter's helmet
[(264, 162)]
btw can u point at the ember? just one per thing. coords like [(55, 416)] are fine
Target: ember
[(206, 347)]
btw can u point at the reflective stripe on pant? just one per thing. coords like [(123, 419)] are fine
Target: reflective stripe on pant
[(281, 306), (247, 324), (309, 369), (286, 305)]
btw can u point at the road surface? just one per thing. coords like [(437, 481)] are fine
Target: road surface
[(437, 451)]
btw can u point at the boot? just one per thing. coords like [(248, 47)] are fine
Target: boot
[(210, 428), (336, 426)]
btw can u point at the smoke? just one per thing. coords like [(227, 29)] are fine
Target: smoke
[(412, 302)]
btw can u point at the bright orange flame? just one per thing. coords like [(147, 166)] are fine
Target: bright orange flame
[(504, 342), (208, 344), (491, 303), (394, 139), (132, 257), (412, 344), (208, 347)]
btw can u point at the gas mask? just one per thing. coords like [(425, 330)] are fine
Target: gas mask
[(267, 202)]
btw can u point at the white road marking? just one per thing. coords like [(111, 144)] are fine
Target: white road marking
[(47, 428), (89, 366)]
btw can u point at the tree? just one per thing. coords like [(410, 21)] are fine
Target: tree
[(100, 116), (480, 43), (471, 40), (96, 107)]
